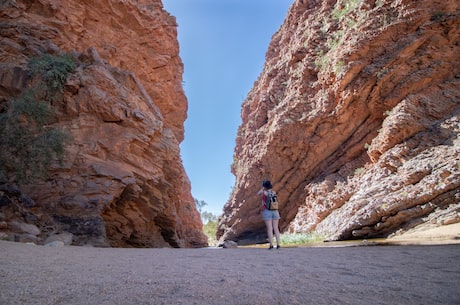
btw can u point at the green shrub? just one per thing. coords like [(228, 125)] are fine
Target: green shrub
[(28, 146), (379, 3), (335, 40), (322, 60), (345, 9), (437, 16), (28, 142), (382, 73), (53, 69), (359, 171), (27, 110), (297, 239), (210, 229), (339, 67)]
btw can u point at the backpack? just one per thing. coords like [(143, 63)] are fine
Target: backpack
[(272, 200)]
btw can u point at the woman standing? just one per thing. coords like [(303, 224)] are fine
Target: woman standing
[(271, 217)]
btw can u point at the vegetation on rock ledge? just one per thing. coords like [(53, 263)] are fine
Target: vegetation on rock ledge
[(29, 142)]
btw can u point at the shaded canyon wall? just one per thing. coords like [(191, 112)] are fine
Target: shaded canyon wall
[(355, 119), (121, 182)]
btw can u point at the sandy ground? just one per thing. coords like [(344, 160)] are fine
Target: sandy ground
[(437, 235), (310, 275)]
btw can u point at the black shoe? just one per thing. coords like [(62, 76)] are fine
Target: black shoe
[(278, 246), (271, 247)]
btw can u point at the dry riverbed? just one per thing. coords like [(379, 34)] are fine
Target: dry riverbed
[(427, 274)]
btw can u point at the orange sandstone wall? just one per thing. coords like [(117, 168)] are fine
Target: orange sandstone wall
[(355, 119), (122, 182)]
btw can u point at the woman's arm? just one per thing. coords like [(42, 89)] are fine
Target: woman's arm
[(260, 191)]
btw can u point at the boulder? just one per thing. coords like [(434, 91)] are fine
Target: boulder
[(26, 238), (3, 236), (230, 244), (64, 237), (20, 227), (55, 244)]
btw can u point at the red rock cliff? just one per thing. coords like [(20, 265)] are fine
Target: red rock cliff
[(355, 119), (122, 182)]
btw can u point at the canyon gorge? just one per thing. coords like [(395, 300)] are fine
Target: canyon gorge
[(355, 119)]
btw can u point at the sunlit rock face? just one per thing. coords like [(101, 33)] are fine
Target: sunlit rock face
[(121, 182), (355, 120)]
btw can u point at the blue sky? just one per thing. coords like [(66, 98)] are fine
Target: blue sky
[(222, 45)]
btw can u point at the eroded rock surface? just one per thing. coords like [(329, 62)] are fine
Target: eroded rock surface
[(355, 119), (121, 182)]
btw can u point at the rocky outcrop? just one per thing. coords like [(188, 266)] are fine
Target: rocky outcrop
[(355, 119), (121, 182)]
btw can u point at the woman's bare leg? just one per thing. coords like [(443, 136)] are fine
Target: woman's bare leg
[(277, 231), (269, 225)]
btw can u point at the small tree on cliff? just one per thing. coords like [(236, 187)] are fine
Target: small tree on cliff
[(200, 204), (208, 217)]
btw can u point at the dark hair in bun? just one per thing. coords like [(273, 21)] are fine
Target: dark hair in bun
[(267, 184)]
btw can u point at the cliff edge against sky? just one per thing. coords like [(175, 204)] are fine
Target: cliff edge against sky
[(355, 120), (121, 181)]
